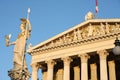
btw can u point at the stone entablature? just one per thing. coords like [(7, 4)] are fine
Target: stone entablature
[(86, 32)]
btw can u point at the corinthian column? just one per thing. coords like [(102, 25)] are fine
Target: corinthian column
[(66, 61), (84, 66), (50, 65), (35, 71), (112, 75), (103, 66), (93, 68)]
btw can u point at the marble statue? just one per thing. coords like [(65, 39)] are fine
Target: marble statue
[(20, 46), (79, 34), (75, 35), (89, 16), (117, 27), (102, 29), (90, 30), (107, 28)]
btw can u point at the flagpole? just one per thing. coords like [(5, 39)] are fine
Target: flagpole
[(96, 15), (96, 9)]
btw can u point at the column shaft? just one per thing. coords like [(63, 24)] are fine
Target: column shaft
[(67, 61), (50, 73), (59, 75), (112, 74), (84, 66), (103, 66), (44, 76), (93, 68), (34, 71), (77, 73)]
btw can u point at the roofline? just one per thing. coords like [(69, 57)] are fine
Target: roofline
[(74, 27)]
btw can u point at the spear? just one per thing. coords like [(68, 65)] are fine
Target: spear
[(28, 13)]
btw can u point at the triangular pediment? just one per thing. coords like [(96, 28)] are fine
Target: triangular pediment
[(81, 33)]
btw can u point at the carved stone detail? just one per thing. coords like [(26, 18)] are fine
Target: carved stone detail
[(50, 63), (67, 60), (35, 66), (82, 34), (84, 57), (21, 74), (102, 54)]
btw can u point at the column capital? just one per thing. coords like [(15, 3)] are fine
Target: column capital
[(50, 63), (35, 66), (84, 57), (67, 60), (103, 54)]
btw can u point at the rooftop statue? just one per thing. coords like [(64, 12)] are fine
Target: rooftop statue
[(89, 16)]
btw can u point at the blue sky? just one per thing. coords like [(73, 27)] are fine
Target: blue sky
[(48, 18)]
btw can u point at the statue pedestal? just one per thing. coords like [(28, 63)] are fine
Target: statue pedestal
[(19, 74)]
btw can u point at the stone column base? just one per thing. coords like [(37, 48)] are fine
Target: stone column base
[(19, 74)]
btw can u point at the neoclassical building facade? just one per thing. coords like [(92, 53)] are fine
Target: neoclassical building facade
[(83, 52)]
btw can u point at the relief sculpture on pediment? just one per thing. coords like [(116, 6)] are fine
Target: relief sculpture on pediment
[(75, 35), (60, 41), (117, 27), (96, 31), (102, 28), (90, 30), (79, 34), (64, 39), (68, 38), (107, 28), (84, 32)]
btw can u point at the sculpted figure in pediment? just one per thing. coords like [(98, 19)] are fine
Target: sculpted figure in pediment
[(117, 27), (60, 41), (112, 28), (102, 28), (75, 35), (90, 30), (68, 38), (79, 34), (95, 31), (107, 28), (64, 39), (84, 32)]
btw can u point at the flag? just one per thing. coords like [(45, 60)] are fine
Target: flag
[(96, 6)]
